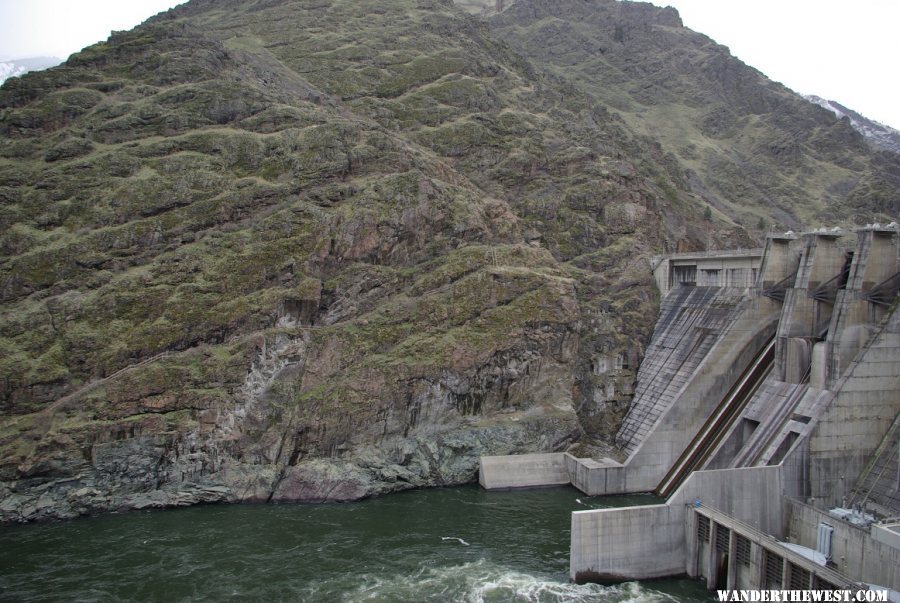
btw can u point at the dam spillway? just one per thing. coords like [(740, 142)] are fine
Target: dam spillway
[(768, 397)]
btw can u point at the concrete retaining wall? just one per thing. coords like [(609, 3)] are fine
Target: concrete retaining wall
[(636, 543), (751, 495), (523, 471), (649, 542)]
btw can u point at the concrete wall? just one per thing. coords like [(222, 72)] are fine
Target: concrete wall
[(854, 552), (736, 268), (751, 495), (597, 477), (649, 542), (827, 257), (854, 316), (634, 543), (675, 430), (888, 534), (779, 260), (523, 471), (796, 470), (803, 317), (691, 321), (857, 418)]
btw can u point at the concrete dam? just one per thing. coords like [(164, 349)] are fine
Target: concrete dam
[(766, 413)]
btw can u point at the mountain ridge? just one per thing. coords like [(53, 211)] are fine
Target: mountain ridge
[(879, 134), (686, 88)]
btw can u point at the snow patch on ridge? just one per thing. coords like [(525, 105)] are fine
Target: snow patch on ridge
[(880, 135), (18, 67)]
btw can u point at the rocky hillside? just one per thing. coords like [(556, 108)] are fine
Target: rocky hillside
[(880, 135), (757, 152), (273, 250)]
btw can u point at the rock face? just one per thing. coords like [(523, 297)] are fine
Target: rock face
[(293, 251)]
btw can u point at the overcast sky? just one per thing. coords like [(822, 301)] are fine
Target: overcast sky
[(838, 49), (841, 50), (58, 28)]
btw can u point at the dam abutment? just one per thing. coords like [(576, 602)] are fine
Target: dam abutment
[(812, 345)]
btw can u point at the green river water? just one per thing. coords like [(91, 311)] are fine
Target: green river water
[(450, 544)]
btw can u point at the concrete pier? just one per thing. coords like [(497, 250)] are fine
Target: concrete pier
[(808, 304)]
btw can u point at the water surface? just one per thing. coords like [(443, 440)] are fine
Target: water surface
[(451, 544)]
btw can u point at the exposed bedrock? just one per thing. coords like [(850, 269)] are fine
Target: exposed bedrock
[(259, 448)]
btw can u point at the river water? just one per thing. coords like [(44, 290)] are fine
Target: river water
[(451, 544)]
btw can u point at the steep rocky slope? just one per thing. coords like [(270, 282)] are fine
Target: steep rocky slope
[(273, 250), (247, 256), (754, 150), (879, 135)]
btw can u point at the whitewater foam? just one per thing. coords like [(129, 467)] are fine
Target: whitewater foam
[(483, 581)]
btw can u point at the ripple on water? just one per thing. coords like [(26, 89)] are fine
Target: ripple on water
[(483, 582)]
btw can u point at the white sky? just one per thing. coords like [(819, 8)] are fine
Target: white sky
[(30, 28), (842, 50), (837, 49)]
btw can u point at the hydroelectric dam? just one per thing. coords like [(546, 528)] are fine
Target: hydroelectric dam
[(766, 413)]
